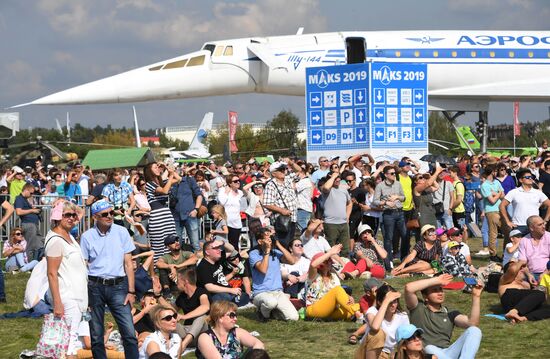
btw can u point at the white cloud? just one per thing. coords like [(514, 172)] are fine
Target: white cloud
[(69, 17), (21, 79)]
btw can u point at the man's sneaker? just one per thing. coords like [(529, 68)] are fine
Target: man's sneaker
[(482, 253), (246, 306)]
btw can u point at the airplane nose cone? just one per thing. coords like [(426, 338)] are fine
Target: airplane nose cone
[(101, 91)]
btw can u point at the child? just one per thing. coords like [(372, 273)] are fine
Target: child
[(454, 262), (511, 252), (220, 229), (545, 280)]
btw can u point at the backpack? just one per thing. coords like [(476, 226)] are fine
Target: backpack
[(469, 201)]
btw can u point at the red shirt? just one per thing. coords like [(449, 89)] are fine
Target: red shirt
[(365, 303)]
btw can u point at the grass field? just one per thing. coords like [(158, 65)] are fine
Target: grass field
[(315, 339)]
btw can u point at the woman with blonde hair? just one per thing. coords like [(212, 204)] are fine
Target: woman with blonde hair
[(224, 339), (14, 251), (410, 346), (164, 339), (220, 231), (67, 271)]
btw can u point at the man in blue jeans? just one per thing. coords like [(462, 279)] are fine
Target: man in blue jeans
[(190, 199), (389, 195), (2, 290), (438, 322), (107, 247)]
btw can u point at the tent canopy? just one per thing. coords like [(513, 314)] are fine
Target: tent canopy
[(118, 158)]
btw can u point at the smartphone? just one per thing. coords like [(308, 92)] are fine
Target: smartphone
[(470, 281)]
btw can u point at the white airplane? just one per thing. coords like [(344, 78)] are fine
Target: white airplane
[(197, 148), (466, 69)]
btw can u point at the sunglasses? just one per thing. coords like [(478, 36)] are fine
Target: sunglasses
[(170, 317), (232, 315), (107, 214), (236, 181), (527, 177), (323, 161), (70, 215), (390, 173), (298, 245), (218, 248), (416, 336), (17, 234)]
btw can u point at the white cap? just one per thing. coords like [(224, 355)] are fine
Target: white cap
[(17, 169), (276, 166), (363, 227)]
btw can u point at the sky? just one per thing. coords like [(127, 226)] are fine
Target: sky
[(50, 45)]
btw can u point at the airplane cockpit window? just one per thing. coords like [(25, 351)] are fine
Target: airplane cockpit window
[(209, 47), (218, 51), (196, 61), (175, 64), (155, 68), (228, 51)]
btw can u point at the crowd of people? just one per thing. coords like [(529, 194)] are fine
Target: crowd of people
[(174, 252)]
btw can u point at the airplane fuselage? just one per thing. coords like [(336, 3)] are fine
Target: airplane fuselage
[(466, 69)]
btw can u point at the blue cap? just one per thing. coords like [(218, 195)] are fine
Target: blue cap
[(404, 163), (100, 205), (406, 331)]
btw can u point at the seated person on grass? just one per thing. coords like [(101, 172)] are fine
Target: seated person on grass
[(520, 302), (410, 346), (457, 235), (325, 297), (438, 322), (143, 272), (420, 259), (143, 324), (170, 263), (511, 251), (237, 273), (85, 345), (454, 262), (368, 300), (382, 323), (295, 275), (369, 253)]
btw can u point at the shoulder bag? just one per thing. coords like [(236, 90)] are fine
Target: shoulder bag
[(282, 222)]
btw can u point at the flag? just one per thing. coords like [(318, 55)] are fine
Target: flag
[(517, 127), (233, 121)]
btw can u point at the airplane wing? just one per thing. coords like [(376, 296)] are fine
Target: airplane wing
[(528, 89)]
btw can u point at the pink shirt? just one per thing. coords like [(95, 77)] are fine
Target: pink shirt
[(23, 244), (535, 256)]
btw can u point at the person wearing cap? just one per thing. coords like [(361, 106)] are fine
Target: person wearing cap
[(366, 301), (16, 181), (425, 251), (457, 235), (511, 251), (170, 263), (107, 247), (280, 198), (442, 237), (454, 262), (438, 321), (322, 171), (520, 302), (336, 216), (534, 248), (325, 297), (119, 192), (357, 164), (370, 255), (525, 200), (410, 346), (389, 195)]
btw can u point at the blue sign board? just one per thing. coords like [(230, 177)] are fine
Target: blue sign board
[(400, 89), (381, 107)]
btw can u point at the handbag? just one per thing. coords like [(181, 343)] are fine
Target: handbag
[(439, 207), (282, 222), (54, 338)]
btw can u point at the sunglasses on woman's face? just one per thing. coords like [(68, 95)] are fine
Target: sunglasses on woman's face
[(17, 233), (70, 215), (170, 317), (236, 181), (416, 336), (232, 315)]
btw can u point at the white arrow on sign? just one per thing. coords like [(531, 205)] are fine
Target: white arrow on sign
[(418, 96), (418, 115), (360, 114), (360, 96), (419, 134), (361, 134), (379, 95), (379, 114), (315, 99), (317, 137), (379, 134), (316, 118)]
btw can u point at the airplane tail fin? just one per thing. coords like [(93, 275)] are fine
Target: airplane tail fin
[(466, 132), (197, 144)]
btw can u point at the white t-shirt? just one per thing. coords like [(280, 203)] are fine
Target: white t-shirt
[(72, 272), (302, 266), (525, 204), (175, 342), (507, 257), (232, 203), (313, 246), (304, 192), (390, 328)]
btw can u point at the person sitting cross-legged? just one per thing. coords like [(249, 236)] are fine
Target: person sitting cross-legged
[(424, 252)]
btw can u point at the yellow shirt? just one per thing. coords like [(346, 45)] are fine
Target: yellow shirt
[(545, 281), (459, 191), (406, 183)]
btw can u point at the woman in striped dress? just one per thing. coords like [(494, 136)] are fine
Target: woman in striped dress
[(161, 221)]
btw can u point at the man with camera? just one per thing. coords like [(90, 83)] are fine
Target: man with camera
[(30, 221)]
